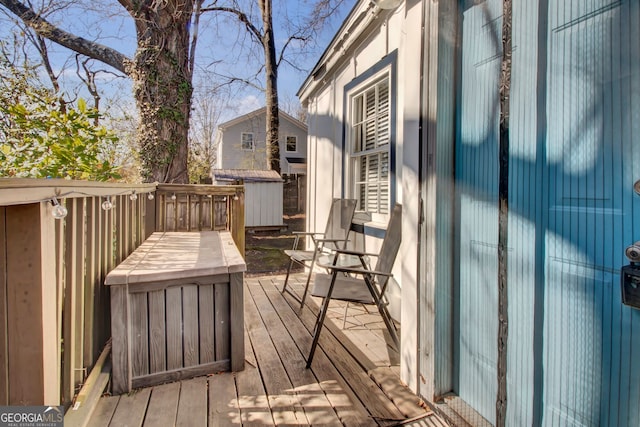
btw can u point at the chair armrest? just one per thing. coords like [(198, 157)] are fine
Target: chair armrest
[(357, 270), (354, 252), (305, 233), (331, 240), (299, 234)]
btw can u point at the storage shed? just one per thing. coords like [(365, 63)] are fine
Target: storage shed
[(263, 194)]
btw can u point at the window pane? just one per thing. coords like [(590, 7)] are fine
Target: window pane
[(292, 143), (370, 139), (358, 137), (247, 141), (357, 110)]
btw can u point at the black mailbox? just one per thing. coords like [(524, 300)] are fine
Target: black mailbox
[(630, 281)]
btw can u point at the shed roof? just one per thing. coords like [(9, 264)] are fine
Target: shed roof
[(247, 175)]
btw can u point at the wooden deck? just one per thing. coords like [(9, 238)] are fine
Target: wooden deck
[(353, 381)]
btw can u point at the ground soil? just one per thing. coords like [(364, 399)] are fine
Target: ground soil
[(264, 249)]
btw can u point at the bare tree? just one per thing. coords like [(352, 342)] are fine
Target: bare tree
[(207, 110), (261, 30), (161, 71)]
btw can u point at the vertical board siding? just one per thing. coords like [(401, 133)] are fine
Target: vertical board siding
[(477, 168), (191, 344), (222, 303), (73, 313), (265, 201), (157, 332), (445, 202), (173, 331), (207, 323), (139, 334)]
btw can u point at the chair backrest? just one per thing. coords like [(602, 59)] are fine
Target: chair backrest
[(339, 221), (391, 241)]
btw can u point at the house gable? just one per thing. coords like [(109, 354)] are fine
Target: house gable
[(242, 143)]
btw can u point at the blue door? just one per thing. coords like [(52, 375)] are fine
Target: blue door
[(575, 155)]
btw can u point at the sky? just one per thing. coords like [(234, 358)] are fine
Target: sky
[(219, 51)]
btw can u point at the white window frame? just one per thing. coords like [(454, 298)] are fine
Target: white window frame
[(242, 141), (369, 145), (286, 143)]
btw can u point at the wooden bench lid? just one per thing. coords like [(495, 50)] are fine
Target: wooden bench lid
[(179, 255)]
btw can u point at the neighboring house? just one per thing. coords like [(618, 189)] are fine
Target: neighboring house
[(241, 143), (404, 108)]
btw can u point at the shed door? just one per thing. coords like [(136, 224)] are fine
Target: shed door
[(575, 155)]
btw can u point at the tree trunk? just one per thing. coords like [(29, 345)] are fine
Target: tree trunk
[(161, 75), (162, 88), (271, 71)]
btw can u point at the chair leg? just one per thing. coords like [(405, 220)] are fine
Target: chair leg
[(384, 313), (320, 321), (306, 286), (344, 317), (286, 279)]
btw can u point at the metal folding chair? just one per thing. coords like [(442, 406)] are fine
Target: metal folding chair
[(335, 236), (361, 284)]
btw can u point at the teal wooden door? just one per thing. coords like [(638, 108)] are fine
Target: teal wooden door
[(592, 148), (575, 154)]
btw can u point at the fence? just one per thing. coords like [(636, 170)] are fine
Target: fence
[(294, 194), (54, 309), (196, 207)]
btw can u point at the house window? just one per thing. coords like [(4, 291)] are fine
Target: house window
[(247, 141), (292, 143), (370, 145)]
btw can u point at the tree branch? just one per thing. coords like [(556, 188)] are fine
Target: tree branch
[(230, 80), (242, 17), (194, 39), (286, 44), (78, 44)]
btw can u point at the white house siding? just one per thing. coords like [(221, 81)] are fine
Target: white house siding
[(263, 204), (263, 195), (395, 32)]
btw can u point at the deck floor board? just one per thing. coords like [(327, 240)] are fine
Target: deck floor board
[(353, 380)]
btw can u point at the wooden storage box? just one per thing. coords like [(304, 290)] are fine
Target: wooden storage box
[(177, 309)]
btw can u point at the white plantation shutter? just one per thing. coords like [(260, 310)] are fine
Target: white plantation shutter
[(370, 141)]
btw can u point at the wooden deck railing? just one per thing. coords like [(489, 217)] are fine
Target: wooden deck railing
[(54, 309), (196, 207)]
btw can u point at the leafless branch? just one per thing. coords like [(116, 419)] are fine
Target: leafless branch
[(242, 17), (78, 44), (286, 44), (194, 38)]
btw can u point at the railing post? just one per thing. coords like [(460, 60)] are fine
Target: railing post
[(237, 220), (4, 325), (150, 216), (32, 339)]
